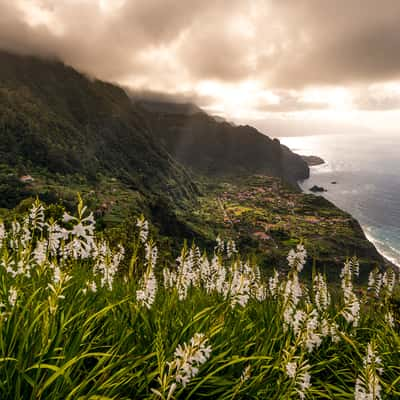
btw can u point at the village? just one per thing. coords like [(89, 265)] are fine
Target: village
[(262, 212)]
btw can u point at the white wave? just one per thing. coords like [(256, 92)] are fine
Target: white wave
[(389, 252)]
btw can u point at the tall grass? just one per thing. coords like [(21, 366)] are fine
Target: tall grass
[(76, 324)]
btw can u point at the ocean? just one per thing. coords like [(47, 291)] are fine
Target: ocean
[(367, 172)]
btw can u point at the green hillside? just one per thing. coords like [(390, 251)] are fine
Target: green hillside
[(57, 120), (212, 147), (63, 133)]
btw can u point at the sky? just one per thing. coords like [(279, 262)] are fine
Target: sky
[(289, 67)]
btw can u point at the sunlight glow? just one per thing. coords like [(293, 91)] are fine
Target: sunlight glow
[(36, 14)]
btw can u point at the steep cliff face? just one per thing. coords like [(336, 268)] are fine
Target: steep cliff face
[(75, 133), (294, 166), (217, 148), (58, 120), (55, 118)]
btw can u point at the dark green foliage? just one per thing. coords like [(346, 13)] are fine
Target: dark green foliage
[(58, 120), (75, 134), (12, 191), (209, 146)]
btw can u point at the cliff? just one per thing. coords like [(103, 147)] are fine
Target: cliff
[(218, 148), (57, 121), (63, 133)]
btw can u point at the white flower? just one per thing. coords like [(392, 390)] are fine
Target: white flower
[(355, 266), (169, 278), (12, 296), (21, 265), (334, 331), (107, 263), (91, 286), (367, 384), (246, 374), (212, 275), (351, 267), (143, 226), (244, 283), (57, 274), (219, 248), (292, 292), (79, 241), (15, 234), (189, 357), (36, 216), (59, 277), (273, 283), (260, 292), (148, 289), (297, 259), (389, 281), (239, 289), (67, 217), (321, 292), (230, 248), (300, 375), (304, 384), (39, 254), (55, 235), (382, 284), (372, 280), (291, 369), (306, 327), (148, 285), (188, 271), (151, 254), (351, 311), (298, 321)]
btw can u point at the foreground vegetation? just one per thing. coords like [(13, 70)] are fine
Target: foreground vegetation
[(264, 216), (82, 320)]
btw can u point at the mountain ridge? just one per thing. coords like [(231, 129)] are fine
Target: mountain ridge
[(55, 118), (75, 134), (213, 147)]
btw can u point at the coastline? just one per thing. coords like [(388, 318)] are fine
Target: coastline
[(374, 241), (361, 176)]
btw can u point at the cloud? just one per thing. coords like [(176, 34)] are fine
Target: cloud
[(172, 97), (174, 45), (377, 99), (288, 101), (114, 42), (338, 42)]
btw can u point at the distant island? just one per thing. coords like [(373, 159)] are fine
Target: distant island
[(313, 160)]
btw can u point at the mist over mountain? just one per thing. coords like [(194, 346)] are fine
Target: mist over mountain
[(55, 118), (74, 133), (216, 147)]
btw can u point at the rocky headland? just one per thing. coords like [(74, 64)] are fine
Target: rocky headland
[(312, 161)]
